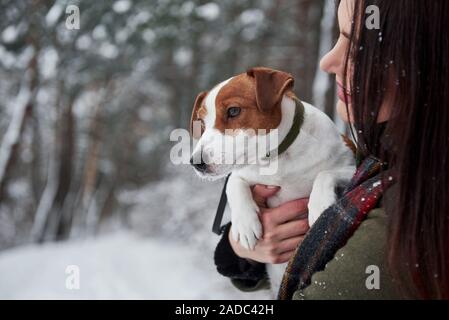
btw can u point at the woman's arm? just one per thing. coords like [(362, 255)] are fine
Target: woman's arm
[(284, 228), (359, 270)]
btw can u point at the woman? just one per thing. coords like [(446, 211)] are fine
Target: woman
[(394, 91)]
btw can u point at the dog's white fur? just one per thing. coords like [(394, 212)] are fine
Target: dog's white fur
[(311, 167)]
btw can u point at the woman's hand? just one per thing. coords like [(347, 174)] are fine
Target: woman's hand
[(284, 228)]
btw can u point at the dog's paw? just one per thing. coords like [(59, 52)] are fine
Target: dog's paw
[(246, 227), (321, 198)]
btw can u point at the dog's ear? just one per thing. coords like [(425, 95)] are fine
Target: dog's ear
[(270, 86), (195, 117)]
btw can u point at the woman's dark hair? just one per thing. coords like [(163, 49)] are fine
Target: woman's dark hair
[(408, 60)]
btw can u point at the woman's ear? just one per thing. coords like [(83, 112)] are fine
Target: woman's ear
[(270, 86), (195, 117)]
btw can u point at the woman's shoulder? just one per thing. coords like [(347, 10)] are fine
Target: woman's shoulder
[(359, 269)]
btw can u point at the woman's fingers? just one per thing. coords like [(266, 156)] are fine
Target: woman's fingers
[(287, 230), (283, 258), (292, 229), (268, 252), (290, 244), (292, 210), (284, 228), (261, 193)]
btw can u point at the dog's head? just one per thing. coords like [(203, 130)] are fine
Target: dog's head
[(236, 111)]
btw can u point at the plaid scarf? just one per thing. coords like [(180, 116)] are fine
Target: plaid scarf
[(335, 226)]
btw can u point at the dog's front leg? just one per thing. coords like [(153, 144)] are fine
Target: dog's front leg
[(323, 191), (246, 226)]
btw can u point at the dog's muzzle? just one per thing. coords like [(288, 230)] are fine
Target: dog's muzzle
[(200, 167)]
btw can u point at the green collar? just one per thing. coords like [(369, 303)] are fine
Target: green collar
[(291, 136)]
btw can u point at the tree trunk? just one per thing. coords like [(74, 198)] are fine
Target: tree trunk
[(51, 220), (66, 156), (308, 22), (267, 37), (41, 218), (89, 189), (22, 109)]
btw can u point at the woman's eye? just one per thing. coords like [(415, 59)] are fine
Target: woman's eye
[(233, 112)]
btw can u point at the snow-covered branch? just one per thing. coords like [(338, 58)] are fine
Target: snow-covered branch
[(15, 128)]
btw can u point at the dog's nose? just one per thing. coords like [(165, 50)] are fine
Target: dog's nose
[(202, 166)]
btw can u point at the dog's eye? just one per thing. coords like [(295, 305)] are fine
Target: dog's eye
[(233, 112)]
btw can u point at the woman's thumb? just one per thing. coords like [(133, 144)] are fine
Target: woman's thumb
[(261, 193)]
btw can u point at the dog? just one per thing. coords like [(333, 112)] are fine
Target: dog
[(312, 158)]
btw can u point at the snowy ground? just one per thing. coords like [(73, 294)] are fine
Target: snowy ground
[(167, 255), (117, 266)]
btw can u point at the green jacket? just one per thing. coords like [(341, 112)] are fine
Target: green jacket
[(358, 271)]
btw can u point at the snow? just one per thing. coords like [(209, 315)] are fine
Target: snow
[(10, 34), (183, 57), (251, 20), (48, 60), (180, 211), (187, 8), (99, 33), (148, 35), (18, 189), (209, 11), (6, 58), (108, 50), (146, 145), (121, 265), (121, 6), (146, 113), (252, 16), (54, 14), (84, 42)]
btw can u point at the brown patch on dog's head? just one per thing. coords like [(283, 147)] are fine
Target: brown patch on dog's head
[(258, 93), (271, 86), (198, 113)]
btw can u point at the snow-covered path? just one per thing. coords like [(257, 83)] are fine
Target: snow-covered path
[(116, 266)]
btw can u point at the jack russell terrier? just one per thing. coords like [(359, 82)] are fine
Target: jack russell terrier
[(312, 158)]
